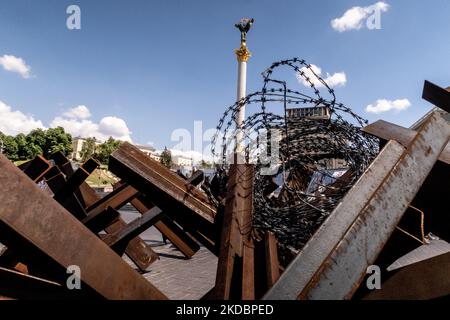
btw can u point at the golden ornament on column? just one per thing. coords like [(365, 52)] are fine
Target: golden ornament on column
[(243, 54)]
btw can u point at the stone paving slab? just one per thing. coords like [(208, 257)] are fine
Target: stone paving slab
[(177, 277)]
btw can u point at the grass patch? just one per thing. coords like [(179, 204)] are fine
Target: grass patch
[(100, 178)]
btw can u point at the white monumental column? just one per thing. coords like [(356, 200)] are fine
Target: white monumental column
[(242, 54)]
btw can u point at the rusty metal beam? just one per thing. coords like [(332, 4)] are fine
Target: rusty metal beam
[(438, 96), (138, 251), (167, 190), (389, 131), (196, 178), (116, 199), (248, 271), (74, 181), (22, 286), (102, 221), (118, 240), (36, 168), (345, 267), (427, 279), (85, 194), (39, 219), (344, 230), (56, 181), (236, 229), (180, 239), (272, 264), (302, 268)]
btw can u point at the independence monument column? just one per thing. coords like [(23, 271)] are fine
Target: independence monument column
[(242, 54)]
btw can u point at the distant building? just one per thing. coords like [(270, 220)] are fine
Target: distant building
[(78, 142), (333, 163), (182, 161), (318, 113), (155, 156), (309, 113), (77, 145)]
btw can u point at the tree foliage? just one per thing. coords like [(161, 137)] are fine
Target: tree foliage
[(104, 150), (57, 140), (46, 142), (37, 142), (89, 148), (166, 158), (206, 164), (9, 146)]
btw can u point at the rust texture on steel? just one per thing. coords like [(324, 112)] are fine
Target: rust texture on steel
[(167, 190), (76, 179), (248, 270), (389, 131), (122, 236), (342, 271), (272, 264), (17, 285), (116, 199), (35, 216), (138, 251), (55, 180), (179, 238), (196, 178), (36, 168), (102, 221), (236, 229), (302, 268), (86, 194), (438, 96), (427, 279)]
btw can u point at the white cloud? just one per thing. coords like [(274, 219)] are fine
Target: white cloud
[(15, 64), (80, 112), (115, 127), (76, 122), (334, 80), (383, 105), (15, 122), (77, 128), (354, 17)]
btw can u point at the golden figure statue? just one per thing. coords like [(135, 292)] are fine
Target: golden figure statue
[(243, 54)]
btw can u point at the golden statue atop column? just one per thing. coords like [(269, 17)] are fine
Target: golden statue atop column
[(243, 54)]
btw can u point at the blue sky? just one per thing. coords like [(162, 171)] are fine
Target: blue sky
[(161, 65)]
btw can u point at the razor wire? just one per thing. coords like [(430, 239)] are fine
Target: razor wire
[(296, 184)]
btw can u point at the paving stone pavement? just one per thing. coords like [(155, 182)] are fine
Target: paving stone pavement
[(177, 277)]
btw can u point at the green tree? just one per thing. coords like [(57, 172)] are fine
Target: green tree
[(56, 139), (206, 164), (35, 143), (105, 149), (10, 147), (166, 158), (22, 146), (88, 149), (37, 137)]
